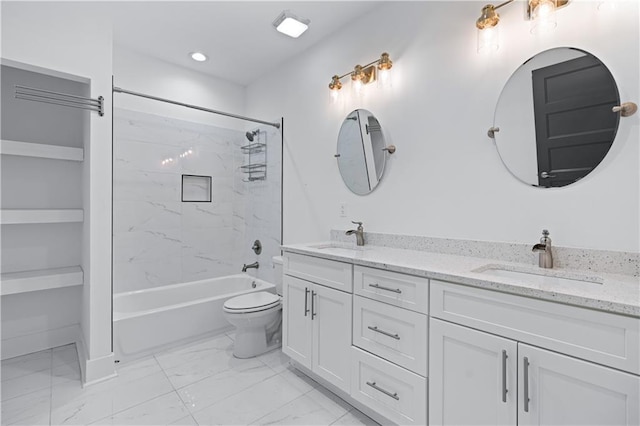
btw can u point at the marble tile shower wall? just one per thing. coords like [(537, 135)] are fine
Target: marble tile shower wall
[(263, 209), (157, 238)]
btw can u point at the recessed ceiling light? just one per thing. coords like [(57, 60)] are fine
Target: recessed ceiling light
[(290, 24), (198, 56)]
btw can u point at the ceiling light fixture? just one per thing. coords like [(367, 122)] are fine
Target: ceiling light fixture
[(290, 24), (198, 56)]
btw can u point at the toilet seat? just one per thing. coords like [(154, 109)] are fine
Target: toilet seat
[(252, 302)]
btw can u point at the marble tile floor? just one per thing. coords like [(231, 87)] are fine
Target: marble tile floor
[(196, 384)]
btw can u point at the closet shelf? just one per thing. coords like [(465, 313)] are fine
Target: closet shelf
[(28, 149), (25, 216), (44, 279)]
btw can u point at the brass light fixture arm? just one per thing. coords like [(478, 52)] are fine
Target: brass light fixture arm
[(503, 4)]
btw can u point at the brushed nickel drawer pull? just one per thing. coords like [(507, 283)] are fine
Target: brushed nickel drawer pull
[(395, 290), (526, 385), (386, 333), (306, 301), (313, 305), (504, 376), (386, 392)]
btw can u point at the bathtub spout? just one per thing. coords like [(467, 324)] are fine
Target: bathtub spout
[(255, 265)]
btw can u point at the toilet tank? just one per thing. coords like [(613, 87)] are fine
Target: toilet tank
[(277, 273)]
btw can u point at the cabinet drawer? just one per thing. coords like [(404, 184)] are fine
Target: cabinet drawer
[(597, 336), (393, 333), (333, 274), (393, 392), (397, 289)]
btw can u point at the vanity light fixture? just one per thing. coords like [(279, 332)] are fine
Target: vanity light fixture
[(541, 13), (290, 24), (362, 75), (198, 56)]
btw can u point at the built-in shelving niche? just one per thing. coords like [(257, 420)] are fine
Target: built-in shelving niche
[(41, 207)]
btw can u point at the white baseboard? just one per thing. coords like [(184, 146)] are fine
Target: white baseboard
[(94, 370), (40, 341)]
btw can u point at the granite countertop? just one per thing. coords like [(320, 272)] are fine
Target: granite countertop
[(608, 292)]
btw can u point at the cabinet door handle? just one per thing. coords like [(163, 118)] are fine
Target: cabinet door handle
[(306, 301), (313, 305), (526, 385), (395, 290), (384, 391), (386, 333), (504, 376)]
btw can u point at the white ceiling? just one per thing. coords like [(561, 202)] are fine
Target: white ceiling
[(238, 36)]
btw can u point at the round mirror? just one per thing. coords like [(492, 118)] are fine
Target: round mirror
[(361, 156), (554, 121)]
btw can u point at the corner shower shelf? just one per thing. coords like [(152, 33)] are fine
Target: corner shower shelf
[(28, 149), (25, 216), (44, 279)]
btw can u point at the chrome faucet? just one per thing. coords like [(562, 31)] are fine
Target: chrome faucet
[(545, 259), (255, 265), (359, 233)]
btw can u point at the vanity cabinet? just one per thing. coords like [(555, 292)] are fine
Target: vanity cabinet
[(477, 377), (472, 378), (390, 330), (317, 318)]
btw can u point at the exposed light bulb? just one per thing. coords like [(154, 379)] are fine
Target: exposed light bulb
[(356, 86), (384, 78), (334, 96), (488, 39), (543, 16)]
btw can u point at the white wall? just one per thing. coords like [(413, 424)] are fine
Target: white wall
[(140, 73), (75, 38), (446, 179)]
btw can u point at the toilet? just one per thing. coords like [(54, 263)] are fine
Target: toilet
[(257, 318)]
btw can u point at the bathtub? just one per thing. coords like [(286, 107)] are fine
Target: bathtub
[(147, 321)]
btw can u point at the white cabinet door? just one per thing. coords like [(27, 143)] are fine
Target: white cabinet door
[(331, 319), (296, 324), (556, 389), (472, 377)]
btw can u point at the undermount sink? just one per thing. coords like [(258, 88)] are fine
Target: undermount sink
[(539, 276)]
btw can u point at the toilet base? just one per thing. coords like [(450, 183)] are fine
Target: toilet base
[(253, 341)]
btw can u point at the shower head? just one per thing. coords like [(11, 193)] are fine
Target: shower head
[(250, 135)]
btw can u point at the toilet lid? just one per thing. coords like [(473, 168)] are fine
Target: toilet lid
[(257, 301)]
